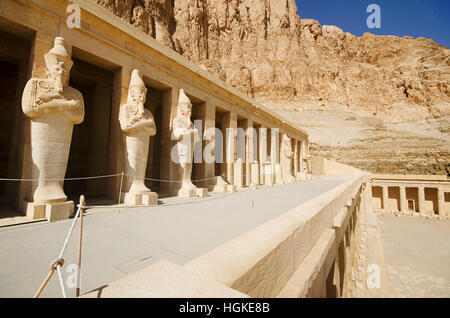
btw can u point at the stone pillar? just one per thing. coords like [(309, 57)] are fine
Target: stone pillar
[(255, 173), (385, 198), (403, 202), (206, 170), (230, 121), (169, 169), (308, 156), (249, 158), (116, 161), (262, 154), (238, 174), (274, 153), (421, 196), (302, 153), (296, 170), (441, 202)]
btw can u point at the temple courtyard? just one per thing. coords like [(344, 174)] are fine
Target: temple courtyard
[(119, 241), (417, 256)]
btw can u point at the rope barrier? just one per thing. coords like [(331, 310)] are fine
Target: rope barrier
[(67, 179), (102, 177), (59, 262), (174, 181)]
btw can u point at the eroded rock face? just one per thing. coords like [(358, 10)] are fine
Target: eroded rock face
[(264, 49)]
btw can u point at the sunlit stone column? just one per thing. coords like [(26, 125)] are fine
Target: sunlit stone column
[(403, 202), (421, 197), (385, 198), (249, 158), (206, 169), (230, 139), (262, 153), (441, 202), (302, 153), (296, 157)]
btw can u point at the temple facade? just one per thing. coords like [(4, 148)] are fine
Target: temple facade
[(100, 58)]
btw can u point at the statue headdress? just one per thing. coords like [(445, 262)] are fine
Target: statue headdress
[(59, 53), (184, 100), (136, 81)]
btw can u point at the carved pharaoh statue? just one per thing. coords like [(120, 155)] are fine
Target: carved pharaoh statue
[(287, 157), (138, 125), (187, 134), (54, 107)]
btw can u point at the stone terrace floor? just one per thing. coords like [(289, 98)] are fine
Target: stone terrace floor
[(417, 256), (116, 244)]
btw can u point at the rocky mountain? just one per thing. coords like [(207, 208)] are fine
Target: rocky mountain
[(381, 103)]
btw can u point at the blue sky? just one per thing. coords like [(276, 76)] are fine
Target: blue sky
[(427, 18)]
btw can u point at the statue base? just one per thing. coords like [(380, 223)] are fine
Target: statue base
[(187, 193), (220, 188), (289, 180), (148, 199), (231, 188), (202, 192), (53, 212)]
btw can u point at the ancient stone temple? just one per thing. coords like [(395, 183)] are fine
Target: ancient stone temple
[(107, 100)]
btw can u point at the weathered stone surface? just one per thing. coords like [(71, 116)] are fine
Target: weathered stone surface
[(187, 135), (137, 124), (54, 107), (384, 87)]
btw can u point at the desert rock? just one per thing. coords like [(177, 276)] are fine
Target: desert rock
[(302, 69)]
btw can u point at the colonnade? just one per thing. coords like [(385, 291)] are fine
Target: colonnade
[(409, 198)]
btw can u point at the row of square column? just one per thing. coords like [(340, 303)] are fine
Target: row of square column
[(420, 200)]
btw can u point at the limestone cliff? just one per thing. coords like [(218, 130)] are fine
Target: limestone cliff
[(379, 102)]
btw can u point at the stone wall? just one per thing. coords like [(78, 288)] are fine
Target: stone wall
[(321, 166)]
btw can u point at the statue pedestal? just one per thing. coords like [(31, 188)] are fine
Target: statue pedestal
[(53, 212), (147, 198), (187, 193), (224, 188), (202, 192), (221, 188)]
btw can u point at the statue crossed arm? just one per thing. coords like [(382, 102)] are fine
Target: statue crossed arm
[(130, 122), (41, 97)]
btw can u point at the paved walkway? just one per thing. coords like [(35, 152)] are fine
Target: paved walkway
[(116, 244), (417, 256)]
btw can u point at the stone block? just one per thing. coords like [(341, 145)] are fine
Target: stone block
[(202, 192), (133, 199), (231, 188), (222, 188), (150, 198), (187, 193), (34, 211), (165, 280), (58, 211)]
